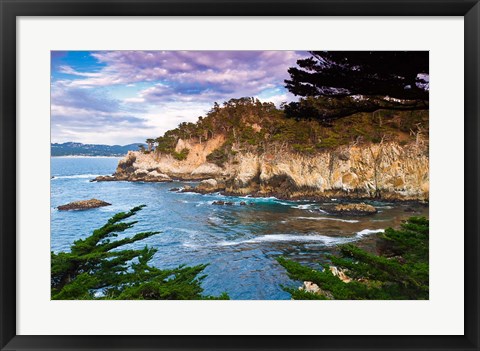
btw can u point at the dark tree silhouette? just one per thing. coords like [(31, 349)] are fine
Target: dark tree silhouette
[(340, 83)]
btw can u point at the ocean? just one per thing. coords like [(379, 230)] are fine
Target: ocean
[(239, 243)]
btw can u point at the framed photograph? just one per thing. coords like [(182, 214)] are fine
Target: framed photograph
[(224, 175)]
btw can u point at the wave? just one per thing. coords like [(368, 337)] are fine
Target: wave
[(310, 207), (277, 238), (369, 231), (215, 220), (316, 238), (77, 176), (305, 206), (330, 219)]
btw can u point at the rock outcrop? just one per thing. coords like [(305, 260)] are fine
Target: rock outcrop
[(360, 209), (83, 205), (209, 186), (387, 170), (136, 175), (313, 288)]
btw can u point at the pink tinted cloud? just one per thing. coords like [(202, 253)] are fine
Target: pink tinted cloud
[(216, 67)]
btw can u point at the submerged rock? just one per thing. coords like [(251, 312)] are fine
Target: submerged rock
[(353, 209), (106, 178), (186, 189), (83, 205)]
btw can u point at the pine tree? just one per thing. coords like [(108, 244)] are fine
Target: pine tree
[(95, 268), (335, 84)]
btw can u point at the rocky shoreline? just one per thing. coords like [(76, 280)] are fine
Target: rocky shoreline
[(389, 172)]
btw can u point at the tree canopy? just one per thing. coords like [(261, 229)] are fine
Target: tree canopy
[(335, 84), (400, 272), (97, 268)]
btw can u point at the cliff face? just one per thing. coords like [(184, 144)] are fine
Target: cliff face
[(194, 166), (388, 171), (385, 170)]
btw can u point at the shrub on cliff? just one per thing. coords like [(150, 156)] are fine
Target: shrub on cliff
[(249, 125), (182, 155), (399, 273), (95, 268)]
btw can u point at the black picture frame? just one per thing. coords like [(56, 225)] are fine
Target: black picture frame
[(10, 10)]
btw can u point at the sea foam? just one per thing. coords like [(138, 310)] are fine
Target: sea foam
[(329, 219), (77, 176)]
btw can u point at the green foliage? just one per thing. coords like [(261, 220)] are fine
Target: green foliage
[(218, 156), (336, 84), (399, 273), (97, 264), (182, 155), (249, 125)]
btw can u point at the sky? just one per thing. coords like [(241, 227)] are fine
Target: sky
[(123, 97)]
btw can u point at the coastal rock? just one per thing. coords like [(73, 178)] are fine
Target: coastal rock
[(186, 189), (139, 175), (221, 203), (106, 178), (209, 184), (207, 170), (315, 289), (83, 205), (125, 165), (154, 176), (387, 171), (340, 273), (174, 189), (353, 209)]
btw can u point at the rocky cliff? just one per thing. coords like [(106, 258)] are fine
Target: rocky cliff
[(385, 170)]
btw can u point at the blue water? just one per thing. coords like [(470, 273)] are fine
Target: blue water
[(240, 243)]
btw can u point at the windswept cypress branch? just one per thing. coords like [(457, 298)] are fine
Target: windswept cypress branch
[(93, 269), (399, 273)]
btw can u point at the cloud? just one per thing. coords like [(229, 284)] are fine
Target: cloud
[(139, 94), (92, 116), (232, 69), (69, 70), (83, 99)]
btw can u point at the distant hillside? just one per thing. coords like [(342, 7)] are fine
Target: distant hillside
[(79, 149)]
